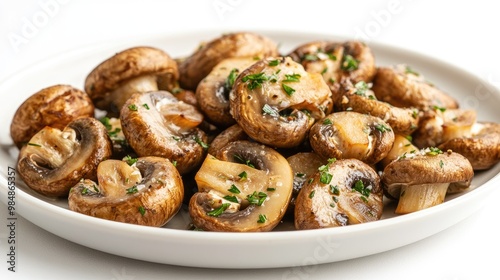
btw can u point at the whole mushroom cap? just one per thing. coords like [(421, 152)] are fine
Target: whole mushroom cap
[(55, 106), (240, 44), (482, 148), (427, 167), (125, 66)]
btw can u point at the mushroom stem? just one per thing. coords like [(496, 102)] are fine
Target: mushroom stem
[(417, 197), (146, 83)]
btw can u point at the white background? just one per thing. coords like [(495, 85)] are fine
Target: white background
[(463, 33)]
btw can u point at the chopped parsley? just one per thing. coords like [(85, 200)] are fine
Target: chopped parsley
[(145, 105), (240, 159), (288, 90), (255, 80), (327, 122), (243, 176), (275, 62), (291, 78), (132, 190), (234, 189), (142, 210), (438, 108), (408, 70), (382, 128), (132, 107), (334, 190), (311, 194), (349, 63), (324, 176), (360, 187), (231, 78), (34, 144), (361, 88), (262, 219), (130, 160), (219, 210), (231, 198), (433, 151), (200, 142), (257, 198)]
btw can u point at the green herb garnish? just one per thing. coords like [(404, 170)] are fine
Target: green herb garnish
[(234, 189), (219, 210)]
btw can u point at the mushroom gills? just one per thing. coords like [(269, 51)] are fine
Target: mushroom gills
[(51, 147), (247, 187)]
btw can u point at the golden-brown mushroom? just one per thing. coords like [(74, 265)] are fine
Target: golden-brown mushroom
[(401, 86), (346, 134), (130, 71), (360, 98), (335, 61), (240, 44), (421, 179), (340, 193), (440, 125), (481, 147), (275, 101), (228, 135), (148, 191), (247, 187), (53, 161), (212, 92), (158, 124), (55, 106)]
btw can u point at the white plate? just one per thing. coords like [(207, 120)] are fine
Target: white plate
[(280, 248)]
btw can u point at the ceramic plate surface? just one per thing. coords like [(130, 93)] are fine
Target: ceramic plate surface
[(284, 247)]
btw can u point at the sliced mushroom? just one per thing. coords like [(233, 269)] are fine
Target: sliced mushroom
[(275, 101), (158, 124), (335, 61), (212, 92), (247, 187), (481, 147), (346, 134), (130, 71), (304, 165), (55, 106), (341, 193), (421, 179), (360, 98), (53, 161), (240, 44), (401, 86), (149, 192), (440, 125)]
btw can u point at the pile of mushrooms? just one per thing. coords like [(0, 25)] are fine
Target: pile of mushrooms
[(321, 135)]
